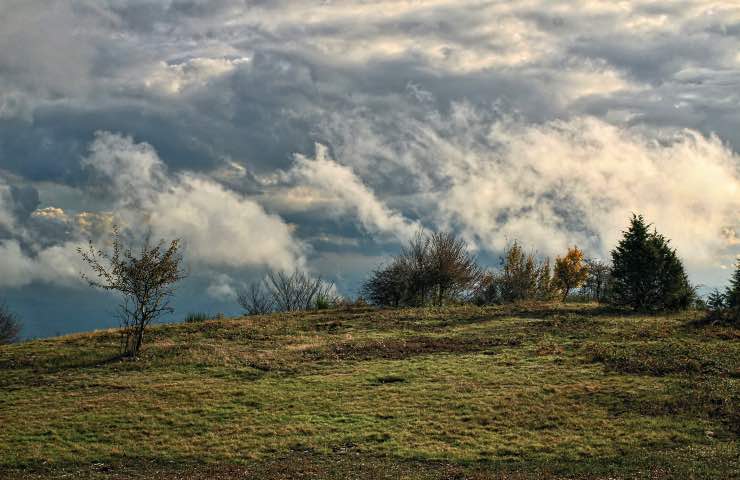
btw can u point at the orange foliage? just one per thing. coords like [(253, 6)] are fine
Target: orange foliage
[(571, 270)]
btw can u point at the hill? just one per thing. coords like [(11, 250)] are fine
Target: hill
[(502, 392)]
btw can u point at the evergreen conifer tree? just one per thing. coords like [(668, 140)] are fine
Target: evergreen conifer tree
[(732, 295), (647, 274)]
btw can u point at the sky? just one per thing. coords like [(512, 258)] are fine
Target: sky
[(321, 135)]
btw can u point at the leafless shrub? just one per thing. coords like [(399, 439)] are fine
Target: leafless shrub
[(414, 262), (434, 269), (296, 291), (453, 271), (256, 300), (145, 278), (287, 292), (10, 327)]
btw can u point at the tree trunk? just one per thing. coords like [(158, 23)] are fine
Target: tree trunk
[(138, 340)]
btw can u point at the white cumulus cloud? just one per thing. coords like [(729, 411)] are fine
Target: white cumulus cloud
[(218, 226), (337, 188)]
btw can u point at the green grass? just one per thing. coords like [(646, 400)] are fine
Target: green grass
[(529, 391)]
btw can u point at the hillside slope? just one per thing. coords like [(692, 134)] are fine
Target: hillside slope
[(465, 392)]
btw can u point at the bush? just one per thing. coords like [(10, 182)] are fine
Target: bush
[(732, 295), (287, 292), (647, 274), (323, 302), (524, 277), (716, 305), (10, 327), (388, 286), (435, 269), (725, 306), (256, 300), (145, 278)]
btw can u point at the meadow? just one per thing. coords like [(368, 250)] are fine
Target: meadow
[(524, 391)]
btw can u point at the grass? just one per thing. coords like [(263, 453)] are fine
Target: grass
[(531, 391)]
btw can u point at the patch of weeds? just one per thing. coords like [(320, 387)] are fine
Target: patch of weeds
[(328, 326), (388, 379), (197, 317), (397, 349), (714, 397), (664, 358), (703, 397), (549, 348)]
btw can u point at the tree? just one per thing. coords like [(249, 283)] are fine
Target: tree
[(414, 260), (647, 274), (546, 286), (145, 279), (388, 285), (732, 294), (487, 292), (453, 270), (430, 269), (570, 271), (524, 277), (716, 305), (518, 278), (725, 305), (10, 326), (598, 280)]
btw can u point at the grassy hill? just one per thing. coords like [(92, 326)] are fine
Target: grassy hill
[(508, 392)]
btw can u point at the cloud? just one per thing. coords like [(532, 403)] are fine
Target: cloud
[(192, 73), (218, 226), (497, 178), (59, 264), (222, 288), (31, 69), (7, 219), (576, 181), (324, 184)]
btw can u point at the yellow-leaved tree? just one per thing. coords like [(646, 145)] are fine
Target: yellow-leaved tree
[(571, 270)]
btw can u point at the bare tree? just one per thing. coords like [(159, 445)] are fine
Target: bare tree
[(256, 300), (144, 278), (10, 327)]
